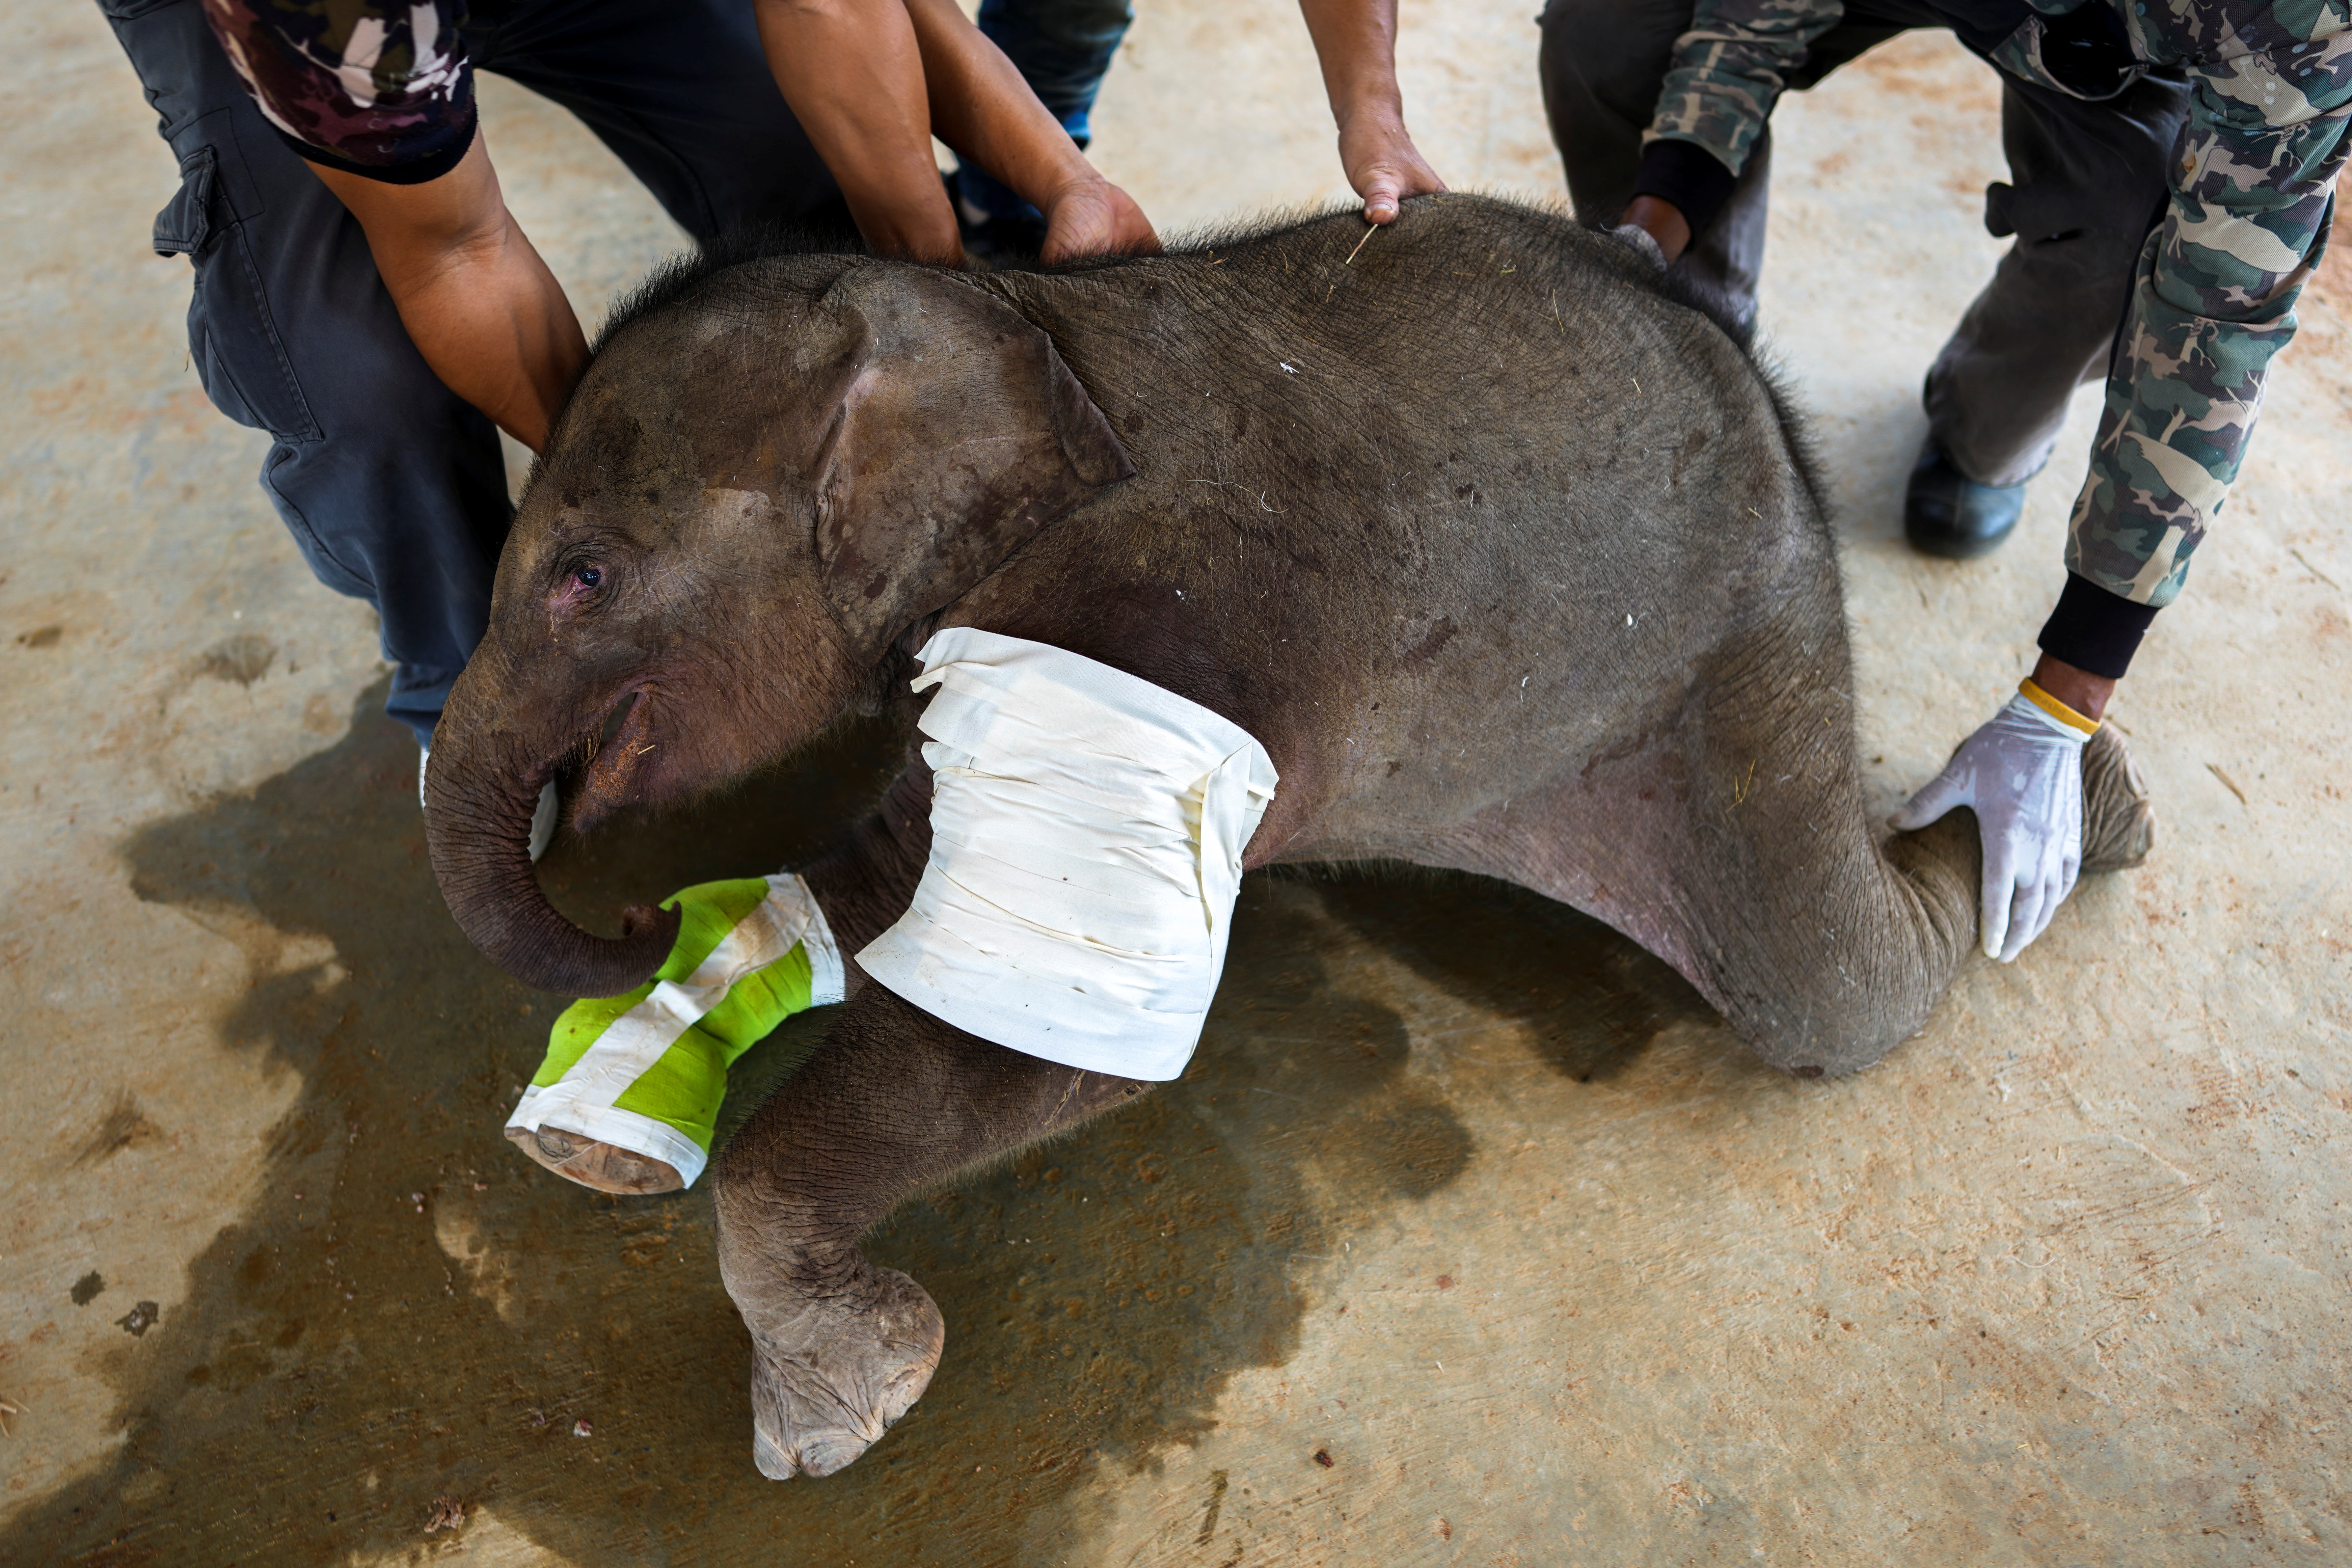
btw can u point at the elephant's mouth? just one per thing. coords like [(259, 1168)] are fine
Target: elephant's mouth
[(619, 759)]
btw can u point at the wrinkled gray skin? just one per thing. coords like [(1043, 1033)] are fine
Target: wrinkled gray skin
[(1506, 558)]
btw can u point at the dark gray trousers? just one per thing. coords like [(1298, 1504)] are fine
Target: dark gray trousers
[(2086, 183)]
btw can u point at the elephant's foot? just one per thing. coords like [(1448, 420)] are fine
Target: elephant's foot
[(2119, 819), (836, 1366), (576, 1157)]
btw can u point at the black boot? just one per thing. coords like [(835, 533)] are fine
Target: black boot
[(1947, 513)]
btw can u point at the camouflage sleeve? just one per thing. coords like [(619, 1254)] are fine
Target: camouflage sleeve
[(374, 86), (2252, 182), (1731, 65)]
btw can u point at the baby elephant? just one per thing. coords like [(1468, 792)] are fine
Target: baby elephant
[(1510, 562)]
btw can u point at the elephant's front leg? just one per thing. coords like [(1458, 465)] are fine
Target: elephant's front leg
[(895, 1101)]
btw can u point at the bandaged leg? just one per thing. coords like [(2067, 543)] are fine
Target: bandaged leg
[(1086, 838), (629, 1094)]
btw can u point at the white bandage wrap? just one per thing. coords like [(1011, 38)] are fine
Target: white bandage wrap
[(1087, 836), (581, 1101)]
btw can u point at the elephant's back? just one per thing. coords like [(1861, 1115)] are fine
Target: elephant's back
[(1479, 382), (1481, 493)]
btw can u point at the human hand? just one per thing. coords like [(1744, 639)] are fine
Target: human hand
[(1355, 43), (2022, 774), (1661, 221), (1383, 165), (1095, 217), (980, 107), (854, 75)]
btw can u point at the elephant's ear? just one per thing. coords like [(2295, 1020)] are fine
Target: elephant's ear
[(955, 433)]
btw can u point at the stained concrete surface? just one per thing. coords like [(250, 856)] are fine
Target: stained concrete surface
[(1464, 1195)]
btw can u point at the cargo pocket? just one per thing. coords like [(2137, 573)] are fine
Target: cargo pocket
[(186, 221), (233, 338)]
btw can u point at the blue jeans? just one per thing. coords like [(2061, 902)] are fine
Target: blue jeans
[(392, 485), (1062, 48)]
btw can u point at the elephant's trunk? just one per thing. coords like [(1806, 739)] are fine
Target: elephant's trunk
[(477, 821)]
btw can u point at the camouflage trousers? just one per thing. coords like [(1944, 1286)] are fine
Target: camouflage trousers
[(2087, 185)]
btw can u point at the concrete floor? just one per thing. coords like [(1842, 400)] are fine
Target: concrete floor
[(1464, 1193)]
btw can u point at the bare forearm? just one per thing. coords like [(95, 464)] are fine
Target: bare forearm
[(1354, 41), (493, 323), (981, 107), (983, 110), (479, 303), (853, 73)]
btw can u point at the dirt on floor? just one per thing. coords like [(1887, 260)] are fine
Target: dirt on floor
[(1470, 1236)]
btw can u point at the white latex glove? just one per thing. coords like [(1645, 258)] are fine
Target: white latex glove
[(2022, 774)]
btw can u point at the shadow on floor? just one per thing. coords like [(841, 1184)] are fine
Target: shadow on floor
[(1590, 1000), (412, 1321)]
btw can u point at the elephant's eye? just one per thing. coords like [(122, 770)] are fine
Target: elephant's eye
[(588, 576)]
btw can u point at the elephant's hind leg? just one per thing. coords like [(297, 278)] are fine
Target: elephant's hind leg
[(1736, 846)]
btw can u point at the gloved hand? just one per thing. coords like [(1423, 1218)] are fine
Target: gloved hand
[(2022, 774)]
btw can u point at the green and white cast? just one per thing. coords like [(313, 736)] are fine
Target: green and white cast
[(647, 1071)]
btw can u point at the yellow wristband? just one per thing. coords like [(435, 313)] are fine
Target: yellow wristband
[(2055, 708)]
